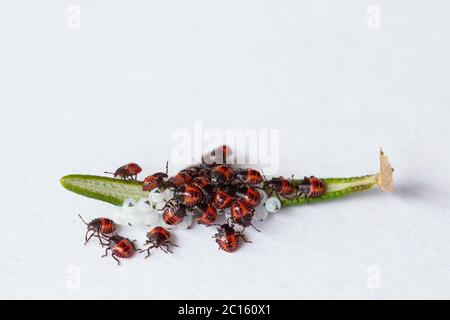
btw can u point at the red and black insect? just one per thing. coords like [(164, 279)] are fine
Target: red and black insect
[(156, 180), (217, 156), (242, 214), (221, 154), (181, 178), (205, 213), (281, 186), (193, 171), (158, 237), (249, 176), (223, 197), (203, 170), (311, 187), (228, 239), (188, 194), (206, 186), (222, 174), (174, 214), (99, 227), (201, 182), (120, 247), (248, 195), (128, 171)]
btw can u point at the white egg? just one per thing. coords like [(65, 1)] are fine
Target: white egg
[(144, 205), (156, 196), (189, 213), (187, 222), (168, 226), (150, 218), (227, 213), (135, 218), (129, 206), (168, 194), (273, 204), (160, 206), (261, 213), (263, 195), (120, 217)]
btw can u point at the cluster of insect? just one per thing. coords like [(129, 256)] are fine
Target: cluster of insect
[(203, 192)]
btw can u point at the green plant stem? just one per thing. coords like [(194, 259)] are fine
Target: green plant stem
[(335, 188), (115, 191)]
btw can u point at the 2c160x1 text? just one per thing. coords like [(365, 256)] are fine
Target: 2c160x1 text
[(246, 309)]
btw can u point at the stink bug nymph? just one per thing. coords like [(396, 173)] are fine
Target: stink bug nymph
[(281, 186), (222, 174), (242, 214), (174, 213), (249, 176), (228, 239), (99, 227), (158, 237), (205, 213), (128, 171), (311, 187), (156, 180), (188, 194), (249, 195), (120, 247)]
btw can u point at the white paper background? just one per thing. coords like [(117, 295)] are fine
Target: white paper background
[(82, 101)]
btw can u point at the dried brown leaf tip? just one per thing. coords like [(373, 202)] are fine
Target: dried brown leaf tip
[(385, 177)]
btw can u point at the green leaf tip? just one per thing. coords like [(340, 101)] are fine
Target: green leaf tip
[(111, 190)]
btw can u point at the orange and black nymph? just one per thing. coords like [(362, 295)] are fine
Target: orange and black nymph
[(156, 180), (222, 174), (227, 238), (249, 176), (311, 187), (205, 213), (249, 195), (174, 213), (281, 186), (223, 197), (128, 171), (188, 194), (181, 178), (158, 237), (242, 214), (120, 247), (99, 227)]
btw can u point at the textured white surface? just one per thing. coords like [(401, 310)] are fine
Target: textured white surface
[(88, 100)]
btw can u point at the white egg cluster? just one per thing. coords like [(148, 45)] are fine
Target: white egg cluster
[(148, 211), (266, 206)]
